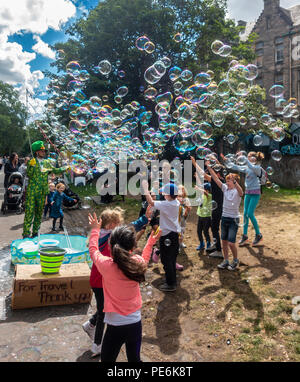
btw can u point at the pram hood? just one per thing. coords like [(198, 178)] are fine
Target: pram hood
[(13, 176)]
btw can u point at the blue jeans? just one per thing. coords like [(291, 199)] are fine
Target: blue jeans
[(229, 228)]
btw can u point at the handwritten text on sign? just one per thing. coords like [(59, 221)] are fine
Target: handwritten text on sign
[(50, 292)]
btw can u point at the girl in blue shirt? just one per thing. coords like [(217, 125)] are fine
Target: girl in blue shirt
[(253, 171)]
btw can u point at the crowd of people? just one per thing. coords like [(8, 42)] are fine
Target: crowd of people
[(119, 266)]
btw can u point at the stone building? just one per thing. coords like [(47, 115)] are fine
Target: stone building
[(277, 48)]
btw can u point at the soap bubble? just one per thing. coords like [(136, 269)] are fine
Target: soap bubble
[(225, 51), (149, 47), (141, 42), (84, 75), (203, 152), (217, 46), (253, 121), (183, 144), (252, 72), (218, 117), (277, 134), (270, 170), (202, 79), (150, 93), (87, 203), (276, 188), (166, 62), (167, 242), (174, 73), (241, 160), (73, 68), (186, 75), (122, 91), (178, 37), (104, 67), (276, 155), (257, 140), (231, 139), (121, 73), (237, 80), (276, 91)]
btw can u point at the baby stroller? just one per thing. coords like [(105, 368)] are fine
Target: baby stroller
[(71, 194), (13, 197)]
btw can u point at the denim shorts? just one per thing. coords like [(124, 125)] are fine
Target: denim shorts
[(229, 228)]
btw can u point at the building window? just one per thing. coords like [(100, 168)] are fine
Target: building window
[(259, 61), (279, 40), (259, 45), (279, 79), (279, 53)]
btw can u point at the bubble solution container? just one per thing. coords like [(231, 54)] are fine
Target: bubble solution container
[(51, 259), (49, 243), (29, 249)]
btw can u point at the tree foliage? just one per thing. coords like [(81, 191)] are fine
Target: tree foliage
[(12, 120), (110, 30)]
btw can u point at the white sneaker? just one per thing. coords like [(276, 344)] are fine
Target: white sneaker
[(96, 350), (89, 329), (182, 245), (217, 254)]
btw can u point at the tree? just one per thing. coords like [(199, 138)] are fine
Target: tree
[(12, 120), (110, 31)]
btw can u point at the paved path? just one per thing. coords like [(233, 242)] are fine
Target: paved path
[(40, 334)]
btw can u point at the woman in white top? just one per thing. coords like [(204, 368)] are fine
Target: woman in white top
[(232, 196)]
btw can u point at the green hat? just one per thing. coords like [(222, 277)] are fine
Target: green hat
[(38, 145)]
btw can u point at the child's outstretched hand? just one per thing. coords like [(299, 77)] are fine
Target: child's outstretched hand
[(94, 222), (193, 159), (155, 235), (149, 212)]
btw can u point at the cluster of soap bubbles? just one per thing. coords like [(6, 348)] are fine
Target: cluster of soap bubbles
[(103, 128)]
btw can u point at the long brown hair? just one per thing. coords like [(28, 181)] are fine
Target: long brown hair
[(123, 240)]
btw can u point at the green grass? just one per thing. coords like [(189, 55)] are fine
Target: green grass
[(270, 328), (82, 191), (286, 193)]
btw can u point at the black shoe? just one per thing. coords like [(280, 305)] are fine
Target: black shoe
[(167, 288), (243, 241), (258, 238), (26, 236), (34, 235), (60, 228), (54, 230)]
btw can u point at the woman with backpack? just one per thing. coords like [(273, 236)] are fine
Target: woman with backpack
[(253, 175)]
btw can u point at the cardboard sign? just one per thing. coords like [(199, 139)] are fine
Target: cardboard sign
[(32, 288)]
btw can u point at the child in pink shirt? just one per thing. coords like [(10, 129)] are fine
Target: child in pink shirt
[(121, 275)]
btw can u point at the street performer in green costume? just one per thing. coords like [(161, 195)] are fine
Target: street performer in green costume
[(38, 169)]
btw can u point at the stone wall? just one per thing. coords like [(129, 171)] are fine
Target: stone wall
[(286, 171)]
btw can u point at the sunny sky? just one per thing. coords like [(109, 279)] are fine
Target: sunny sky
[(28, 27)]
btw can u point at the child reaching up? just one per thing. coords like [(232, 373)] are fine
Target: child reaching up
[(169, 225), (94, 327), (232, 194), (111, 218), (204, 217), (121, 274), (184, 211)]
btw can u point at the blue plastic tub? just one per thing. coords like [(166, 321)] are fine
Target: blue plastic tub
[(78, 254)]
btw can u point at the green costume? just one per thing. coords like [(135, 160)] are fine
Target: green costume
[(37, 190)]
